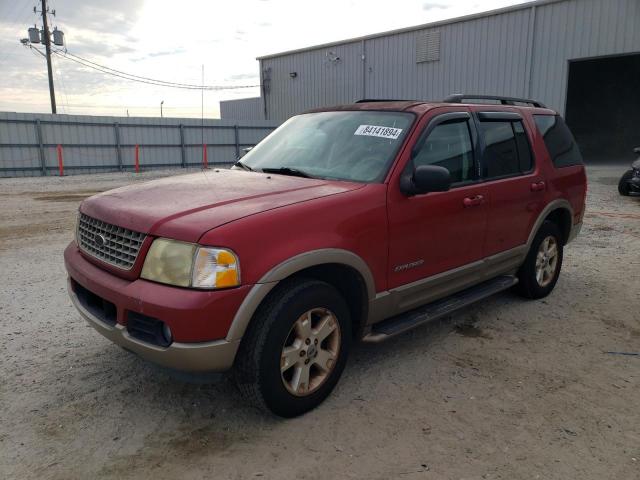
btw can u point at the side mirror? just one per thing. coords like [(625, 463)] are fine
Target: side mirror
[(425, 179), (636, 150)]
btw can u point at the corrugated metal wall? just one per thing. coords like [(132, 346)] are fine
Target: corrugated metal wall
[(576, 29), (322, 77), (242, 109), (28, 142), (484, 55), (521, 52)]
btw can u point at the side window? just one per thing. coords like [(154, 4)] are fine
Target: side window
[(507, 150), (524, 149), (559, 141), (449, 145), (500, 156)]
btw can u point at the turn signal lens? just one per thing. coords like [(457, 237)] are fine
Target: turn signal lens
[(215, 268)]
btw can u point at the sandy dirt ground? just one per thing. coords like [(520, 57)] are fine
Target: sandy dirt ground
[(507, 389)]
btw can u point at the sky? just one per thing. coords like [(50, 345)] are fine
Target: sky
[(174, 40)]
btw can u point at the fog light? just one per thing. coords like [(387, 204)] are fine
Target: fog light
[(166, 334)]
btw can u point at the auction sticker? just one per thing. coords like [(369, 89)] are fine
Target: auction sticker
[(376, 131)]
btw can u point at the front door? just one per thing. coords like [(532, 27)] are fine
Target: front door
[(436, 235)]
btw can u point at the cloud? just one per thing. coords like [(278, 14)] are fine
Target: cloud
[(434, 5), (242, 76), (164, 53), (99, 45), (115, 16)]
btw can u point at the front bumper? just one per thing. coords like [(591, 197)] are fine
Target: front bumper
[(199, 320), (216, 356)]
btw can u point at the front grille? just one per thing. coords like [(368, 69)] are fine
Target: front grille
[(112, 244)]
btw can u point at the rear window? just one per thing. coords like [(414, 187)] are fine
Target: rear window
[(562, 148), (501, 153), (507, 151)]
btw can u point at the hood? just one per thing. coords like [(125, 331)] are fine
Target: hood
[(184, 207)]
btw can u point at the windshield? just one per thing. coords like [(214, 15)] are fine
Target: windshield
[(357, 146)]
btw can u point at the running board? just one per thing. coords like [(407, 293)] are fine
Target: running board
[(438, 309)]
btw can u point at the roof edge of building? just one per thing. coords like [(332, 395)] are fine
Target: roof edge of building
[(239, 99), (448, 21)]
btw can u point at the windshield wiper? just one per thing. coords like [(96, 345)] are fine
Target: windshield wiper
[(243, 166), (293, 172)]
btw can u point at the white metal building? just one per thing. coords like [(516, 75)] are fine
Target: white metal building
[(580, 57), (242, 109)]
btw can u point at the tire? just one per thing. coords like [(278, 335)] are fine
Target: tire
[(531, 284), (278, 323), (623, 186)]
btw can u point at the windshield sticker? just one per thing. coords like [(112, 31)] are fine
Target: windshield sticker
[(375, 131)]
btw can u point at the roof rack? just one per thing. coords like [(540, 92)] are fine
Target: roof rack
[(459, 97), (366, 100)]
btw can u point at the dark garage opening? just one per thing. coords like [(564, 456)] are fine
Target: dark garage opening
[(603, 107)]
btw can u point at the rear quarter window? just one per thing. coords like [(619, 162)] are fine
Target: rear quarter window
[(562, 148)]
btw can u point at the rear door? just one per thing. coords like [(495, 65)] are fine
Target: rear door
[(516, 185), (437, 232)]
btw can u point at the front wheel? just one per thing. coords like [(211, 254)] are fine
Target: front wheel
[(295, 349), (623, 185), (541, 269)]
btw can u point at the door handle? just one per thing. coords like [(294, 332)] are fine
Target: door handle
[(473, 201), (537, 186)]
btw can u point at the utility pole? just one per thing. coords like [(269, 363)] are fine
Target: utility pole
[(47, 46), (44, 36)]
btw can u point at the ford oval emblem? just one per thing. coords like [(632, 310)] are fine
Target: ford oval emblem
[(99, 240)]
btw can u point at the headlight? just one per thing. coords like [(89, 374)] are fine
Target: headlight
[(189, 265)]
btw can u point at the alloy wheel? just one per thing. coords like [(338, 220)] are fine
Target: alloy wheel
[(546, 261), (310, 351)]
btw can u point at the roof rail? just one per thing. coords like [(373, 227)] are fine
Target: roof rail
[(459, 97), (366, 100)]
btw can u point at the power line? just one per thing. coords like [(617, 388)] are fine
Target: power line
[(132, 75), (137, 78)]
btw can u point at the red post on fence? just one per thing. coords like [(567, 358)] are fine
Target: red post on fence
[(137, 158), (205, 163), (60, 161)]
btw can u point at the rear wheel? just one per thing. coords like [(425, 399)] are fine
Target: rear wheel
[(623, 185), (541, 269), (295, 349)]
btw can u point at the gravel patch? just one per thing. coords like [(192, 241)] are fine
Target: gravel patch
[(506, 389)]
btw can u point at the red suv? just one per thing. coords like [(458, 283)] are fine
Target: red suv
[(354, 222)]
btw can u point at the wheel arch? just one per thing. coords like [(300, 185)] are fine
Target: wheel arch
[(343, 269), (558, 211)]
